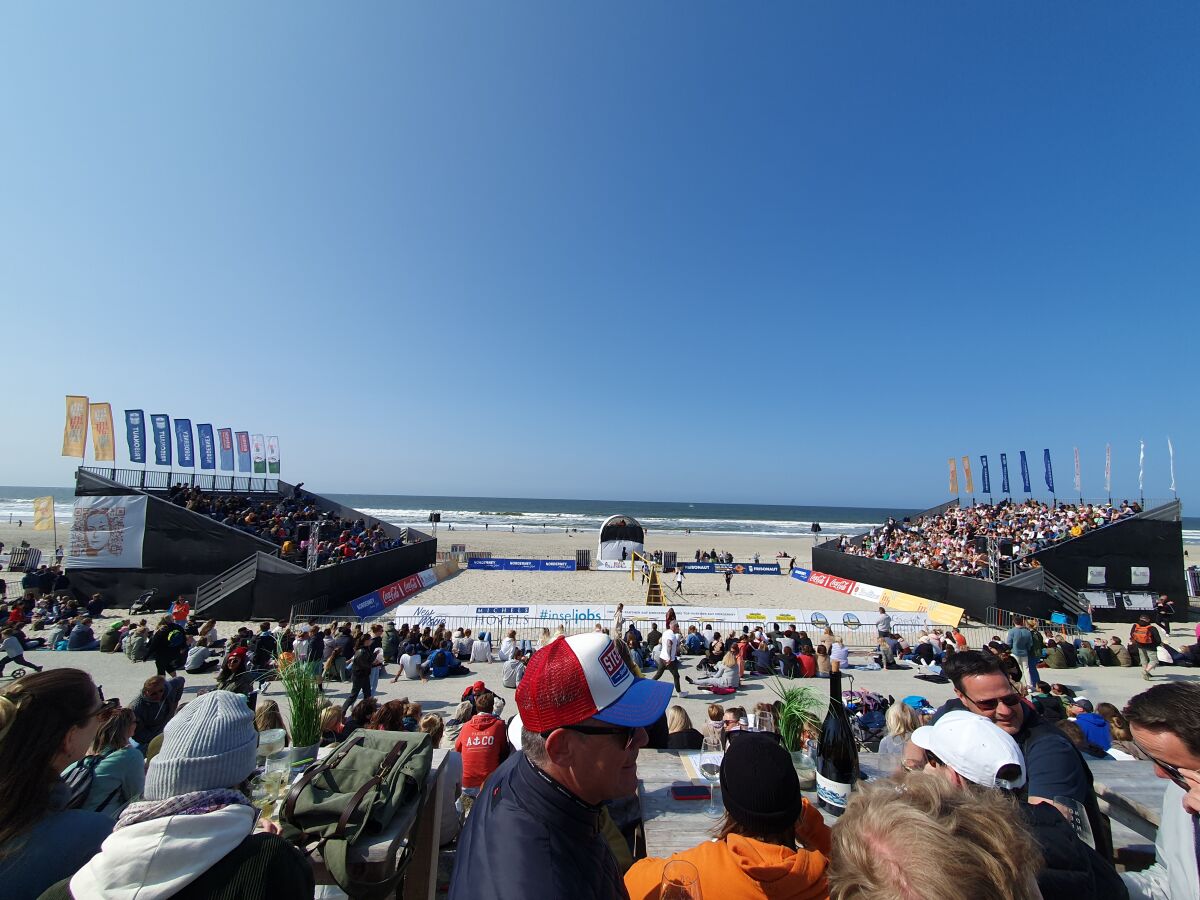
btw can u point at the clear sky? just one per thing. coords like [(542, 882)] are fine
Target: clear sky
[(791, 253)]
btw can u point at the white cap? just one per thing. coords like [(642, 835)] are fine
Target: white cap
[(974, 747)]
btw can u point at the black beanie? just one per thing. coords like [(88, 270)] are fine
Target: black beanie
[(759, 785)]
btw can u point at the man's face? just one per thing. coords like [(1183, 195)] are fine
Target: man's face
[(1169, 752), (607, 766), (993, 697)]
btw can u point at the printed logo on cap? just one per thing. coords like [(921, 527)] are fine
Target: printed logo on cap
[(614, 666)]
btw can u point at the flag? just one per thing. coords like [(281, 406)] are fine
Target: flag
[(1141, 463), (225, 439), (1078, 481), (987, 476), (953, 476), (1049, 470), (43, 514), (161, 424), (1025, 474), (103, 448), (208, 447), (135, 435), (1108, 470), (184, 443), (258, 452), (967, 476), (243, 451), (273, 455), (1004, 473), (75, 431), (1171, 453)]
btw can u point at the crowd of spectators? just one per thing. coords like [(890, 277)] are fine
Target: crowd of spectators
[(951, 540)]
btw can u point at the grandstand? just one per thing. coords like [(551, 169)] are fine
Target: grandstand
[(231, 545)]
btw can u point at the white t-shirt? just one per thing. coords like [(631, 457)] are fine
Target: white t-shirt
[(668, 650), (506, 648), (411, 664), (481, 651)]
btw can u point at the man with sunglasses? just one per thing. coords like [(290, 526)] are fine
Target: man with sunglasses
[(583, 718), (1165, 722)]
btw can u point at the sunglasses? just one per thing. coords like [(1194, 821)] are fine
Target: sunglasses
[(1172, 771), (627, 733), (1012, 701)]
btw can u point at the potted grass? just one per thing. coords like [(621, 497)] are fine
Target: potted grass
[(304, 695), (799, 710)]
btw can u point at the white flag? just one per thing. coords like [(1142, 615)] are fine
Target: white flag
[(1171, 453), (1141, 463), (1078, 489), (1108, 470)]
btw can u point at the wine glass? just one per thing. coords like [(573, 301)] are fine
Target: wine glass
[(711, 754), (680, 881), (766, 722), (1077, 816)]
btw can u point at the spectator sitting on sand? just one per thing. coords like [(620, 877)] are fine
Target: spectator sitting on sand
[(155, 707)]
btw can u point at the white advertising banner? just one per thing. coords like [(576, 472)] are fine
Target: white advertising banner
[(1139, 576), (1096, 574), (107, 533), (612, 565)]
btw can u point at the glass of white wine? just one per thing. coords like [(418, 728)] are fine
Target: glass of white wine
[(680, 881), (711, 754)]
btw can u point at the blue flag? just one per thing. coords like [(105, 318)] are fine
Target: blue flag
[(135, 435), (1049, 472), (987, 477), (1004, 473), (183, 442), (225, 435), (1025, 473), (162, 439), (208, 447)]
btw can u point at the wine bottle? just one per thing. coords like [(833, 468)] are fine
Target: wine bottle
[(837, 757)]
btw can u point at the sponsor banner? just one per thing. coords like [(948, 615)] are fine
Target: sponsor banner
[(801, 574), (135, 435), (374, 603), (273, 455), (208, 446), (895, 601), (737, 568), (612, 565), (225, 444), (1025, 474), (104, 448), (832, 582), (1049, 470), (1004, 473), (161, 424), (43, 514), (953, 464), (522, 565), (184, 443), (986, 476), (967, 476), (1108, 468), (76, 427), (243, 451), (107, 533), (258, 453)]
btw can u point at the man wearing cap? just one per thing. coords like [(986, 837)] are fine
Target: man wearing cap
[(1094, 726), (967, 749), (539, 814)]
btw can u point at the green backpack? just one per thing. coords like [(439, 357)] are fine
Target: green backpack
[(355, 793)]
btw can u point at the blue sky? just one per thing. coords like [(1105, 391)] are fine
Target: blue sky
[(791, 253)]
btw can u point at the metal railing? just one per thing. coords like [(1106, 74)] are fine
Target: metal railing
[(156, 480), (232, 579), (1002, 620)]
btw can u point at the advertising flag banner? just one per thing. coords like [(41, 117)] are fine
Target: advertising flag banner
[(1141, 465), (273, 455), (1078, 480), (1025, 473), (107, 533), (162, 438), (43, 514), (986, 475), (184, 443), (208, 446), (953, 476), (258, 452), (135, 435), (225, 440), (75, 431), (1004, 473), (243, 450), (1108, 469), (1049, 470), (103, 445), (1171, 453), (967, 476)]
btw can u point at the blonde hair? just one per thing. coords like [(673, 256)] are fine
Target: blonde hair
[(729, 660), (906, 840), (716, 712), (331, 718), (433, 725), (902, 720), (677, 719)]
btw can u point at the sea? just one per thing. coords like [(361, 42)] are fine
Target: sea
[(535, 515)]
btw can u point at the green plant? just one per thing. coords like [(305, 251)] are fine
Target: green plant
[(304, 695), (799, 708)]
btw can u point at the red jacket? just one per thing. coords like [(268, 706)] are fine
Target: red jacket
[(483, 743)]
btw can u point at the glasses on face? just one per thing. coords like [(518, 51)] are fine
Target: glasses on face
[(627, 733), (1172, 771), (1012, 701)]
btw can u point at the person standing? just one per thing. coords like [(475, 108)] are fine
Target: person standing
[(883, 626), (361, 665), (1020, 641), (1144, 640), (728, 580), (679, 580), (668, 655), (1163, 611)]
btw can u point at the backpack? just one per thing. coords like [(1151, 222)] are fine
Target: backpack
[(79, 780), (355, 793)]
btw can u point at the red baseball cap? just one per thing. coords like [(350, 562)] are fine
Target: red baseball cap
[(582, 677)]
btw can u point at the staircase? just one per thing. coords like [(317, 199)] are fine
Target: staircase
[(655, 595), (1040, 580), (227, 583)]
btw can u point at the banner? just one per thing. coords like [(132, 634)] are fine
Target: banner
[(43, 514), (75, 431), (162, 439), (1171, 453), (1049, 470), (967, 476), (258, 453), (225, 441), (208, 446), (1078, 481), (1141, 464), (953, 476), (1025, 474), (987, 476), (103, 447), (374, 603), (184, 443), (1108, 470), (135, 435), (243, 451), (522, 565), (273, 455), (107, 533), (1004, 474)]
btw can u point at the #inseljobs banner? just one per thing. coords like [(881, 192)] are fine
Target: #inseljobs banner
[(258, 452), (183, 442), (162, 439), (243, 451), (135, 435), (208, 446), (225, 439)]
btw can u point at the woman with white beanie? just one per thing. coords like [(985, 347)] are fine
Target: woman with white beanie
[(193, 836)]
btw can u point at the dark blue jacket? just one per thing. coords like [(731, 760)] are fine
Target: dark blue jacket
[(525, 830), (1095, 729)]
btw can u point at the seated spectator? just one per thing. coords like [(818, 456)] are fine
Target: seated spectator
[(154, 707), (1118, 729), (680, 733), (390, 716), (1047, 704), (201, 659), (235, 674), (727, 675), (507, 646), (1093, 725), (118, 770), (137, 644), (764, 659), (110, 640), (332, 724), (1086, 655), (442, 663), (481, 649), (514, 669), (1055, 657), (483, 743), (362, 714), (462, 714), (82, 637), (771, 842), (1104, 654), (901, 721), (450, 780), (194, 834), (840, 654), (694, 643), (267, 717), (1076, 736), (47, 722)]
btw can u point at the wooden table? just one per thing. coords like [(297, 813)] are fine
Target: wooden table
[(1129, 792)]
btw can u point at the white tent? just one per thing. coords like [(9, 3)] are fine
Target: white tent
[(621, 534)]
